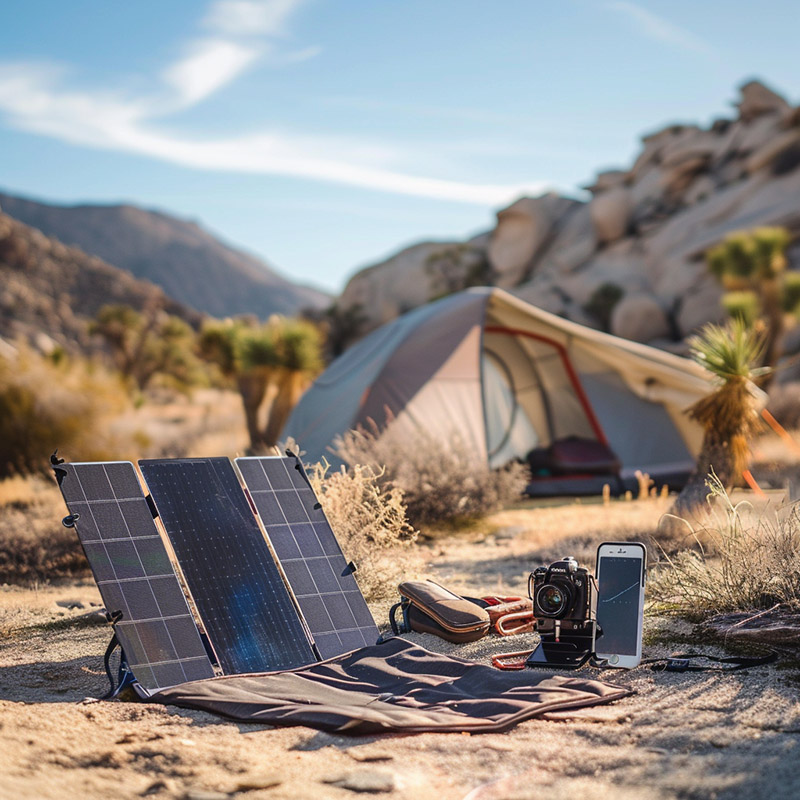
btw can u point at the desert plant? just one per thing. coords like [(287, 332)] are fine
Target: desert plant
[(743, 305), (343, 327), (601, 303), (149, 343), (443, 479), (44, 406), (271, 364), (756, 261), (791, 293), (730, 414), (34, 546), (369, 520), (754, 562), (456, 267)]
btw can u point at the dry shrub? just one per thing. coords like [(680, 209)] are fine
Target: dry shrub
[(34, 546), (369, 520), (46, 405), (753, 564), (441, 482)]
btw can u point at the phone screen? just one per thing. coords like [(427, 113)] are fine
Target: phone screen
[(618, 604)]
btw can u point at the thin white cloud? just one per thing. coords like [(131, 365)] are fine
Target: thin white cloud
[(661, 30), (250, 17), (298, 56), (208, 66), (36, 98)]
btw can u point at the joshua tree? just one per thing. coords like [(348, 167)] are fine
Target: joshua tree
[(730, 414), (271, 364), (752, 266), (146, 343)]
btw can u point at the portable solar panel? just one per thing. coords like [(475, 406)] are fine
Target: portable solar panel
[(247, 610), (134, 573), (327, 592)]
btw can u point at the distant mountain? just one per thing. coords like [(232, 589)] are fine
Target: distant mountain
[(190, 264), (49, 292)]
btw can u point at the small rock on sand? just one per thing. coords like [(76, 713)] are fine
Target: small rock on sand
[(71, 604), (366, 780)]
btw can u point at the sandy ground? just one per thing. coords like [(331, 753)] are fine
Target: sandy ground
[(692, 735)]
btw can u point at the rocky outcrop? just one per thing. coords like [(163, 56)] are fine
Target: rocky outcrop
[(641, 318), (645, 230), (410, 278), (523, 230)]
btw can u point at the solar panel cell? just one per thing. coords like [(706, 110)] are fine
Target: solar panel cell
[(134, 573), (312, 560), (283, 542), (247, 610), (152, 556), (141, 602)]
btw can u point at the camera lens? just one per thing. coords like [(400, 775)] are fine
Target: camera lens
[(552, 600)]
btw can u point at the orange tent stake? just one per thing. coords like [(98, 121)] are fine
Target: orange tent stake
[(781, 431), (751, 482)]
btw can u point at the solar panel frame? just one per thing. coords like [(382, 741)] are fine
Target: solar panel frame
[(309, 553), (248, 612), (134, 573)]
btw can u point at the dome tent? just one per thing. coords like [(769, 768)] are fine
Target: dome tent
[(510, 377)]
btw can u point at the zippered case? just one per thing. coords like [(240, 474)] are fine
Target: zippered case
[(428, 607)]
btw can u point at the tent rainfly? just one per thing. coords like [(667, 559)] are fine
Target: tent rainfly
[(509, 377)]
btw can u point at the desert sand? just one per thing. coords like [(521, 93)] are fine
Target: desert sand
[(691, 735)]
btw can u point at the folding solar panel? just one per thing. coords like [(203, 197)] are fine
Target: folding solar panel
[(327, 592), (134, 574), (249, 615)]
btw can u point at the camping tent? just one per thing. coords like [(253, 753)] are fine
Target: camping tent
[(509, 377)]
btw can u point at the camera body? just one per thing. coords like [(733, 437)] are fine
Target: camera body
[(564, 598)]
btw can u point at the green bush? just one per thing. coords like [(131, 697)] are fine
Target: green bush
[(791, 293), (601, 303), (743, 305)]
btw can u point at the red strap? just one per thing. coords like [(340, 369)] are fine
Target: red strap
[(515, 660), (519, 622)]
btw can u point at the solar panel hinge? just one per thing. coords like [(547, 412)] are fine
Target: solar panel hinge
[(151, 504), (298, 465), (59, 471)]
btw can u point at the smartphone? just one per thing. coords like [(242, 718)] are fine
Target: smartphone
[(620, 573)]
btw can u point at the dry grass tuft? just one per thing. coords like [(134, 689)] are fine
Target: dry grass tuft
[(369, 520), (46, 405), (34, 546), (440, 482), (753, 562)]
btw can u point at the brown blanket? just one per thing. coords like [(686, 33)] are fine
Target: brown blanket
[(394, 686)]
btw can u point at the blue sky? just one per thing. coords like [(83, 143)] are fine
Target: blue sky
[(323, 135)]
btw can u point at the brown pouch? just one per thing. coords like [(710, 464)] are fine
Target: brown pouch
[(513, 616), (430, 608)]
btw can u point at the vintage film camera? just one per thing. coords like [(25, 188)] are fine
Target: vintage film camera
[(564, 599)]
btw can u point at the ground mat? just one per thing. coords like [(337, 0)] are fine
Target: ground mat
[(391, 687)]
